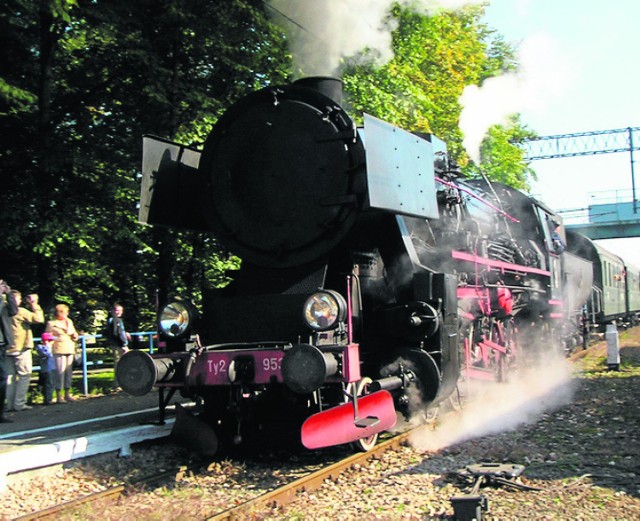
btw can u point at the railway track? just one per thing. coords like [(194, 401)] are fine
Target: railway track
[(284, 495), (276, 497), (262, 500), (103, 498)]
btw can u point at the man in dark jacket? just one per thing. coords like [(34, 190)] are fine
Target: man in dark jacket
[(117, 337), (8, 308)]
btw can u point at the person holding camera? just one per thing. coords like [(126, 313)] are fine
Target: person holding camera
[(18, 358), (8, 308)]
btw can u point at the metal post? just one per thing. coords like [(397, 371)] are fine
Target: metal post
[(613, 348), (633, 176), (85, 379), (85, 363)]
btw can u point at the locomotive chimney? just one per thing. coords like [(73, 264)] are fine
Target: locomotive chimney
[(327, 85)]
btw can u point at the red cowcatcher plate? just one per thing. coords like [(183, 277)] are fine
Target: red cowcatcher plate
[(338, 425)]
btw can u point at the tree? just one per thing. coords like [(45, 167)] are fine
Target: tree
[(502, 160), (435, 57), (78, 92), (31, 165)]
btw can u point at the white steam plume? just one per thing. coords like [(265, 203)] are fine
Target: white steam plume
[(543, 75), (500, 407), (322, 32)]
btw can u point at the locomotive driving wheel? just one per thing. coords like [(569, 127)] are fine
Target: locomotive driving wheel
[(497, 358), (484, 343), (511, 343), (503, 332)]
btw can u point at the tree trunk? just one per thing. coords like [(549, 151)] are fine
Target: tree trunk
[(45, 177)]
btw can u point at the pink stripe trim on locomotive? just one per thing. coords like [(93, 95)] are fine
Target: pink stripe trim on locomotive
[(556, 303), (212, 367), (351, 363), (461, 255), (349, 312), (481, 295)]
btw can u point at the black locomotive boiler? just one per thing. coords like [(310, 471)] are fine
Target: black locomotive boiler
[(372, 276)]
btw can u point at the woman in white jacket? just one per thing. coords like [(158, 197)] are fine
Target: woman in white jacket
[(64, 347)]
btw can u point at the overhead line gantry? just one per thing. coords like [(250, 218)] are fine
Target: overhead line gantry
[(587, 143)]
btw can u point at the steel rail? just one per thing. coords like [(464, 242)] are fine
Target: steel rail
[(107, 496), (313, 481)]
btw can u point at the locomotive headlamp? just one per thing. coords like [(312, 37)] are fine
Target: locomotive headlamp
[(324, 310), (176, 319)]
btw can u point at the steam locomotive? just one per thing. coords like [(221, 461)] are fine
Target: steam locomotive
[(373, 276)]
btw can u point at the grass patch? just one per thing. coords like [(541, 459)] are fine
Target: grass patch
[(99, 383), (593, 361)]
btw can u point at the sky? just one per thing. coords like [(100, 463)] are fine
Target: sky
[(579, 73)]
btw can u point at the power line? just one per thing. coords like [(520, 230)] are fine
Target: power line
[(294, 22), (297, 24)]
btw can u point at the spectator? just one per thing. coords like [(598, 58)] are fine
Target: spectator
[(18, 359), (64, 348), (117, 337), (8, 308), (47, 364)]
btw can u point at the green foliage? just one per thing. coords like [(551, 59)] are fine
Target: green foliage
[(61, 9), (75, 100), (502, 161), (435, 58), (14, 99)]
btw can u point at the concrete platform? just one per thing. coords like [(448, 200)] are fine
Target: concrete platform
[(55, 434)]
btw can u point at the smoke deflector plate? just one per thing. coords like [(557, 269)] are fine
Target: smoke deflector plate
[(400, 171)]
